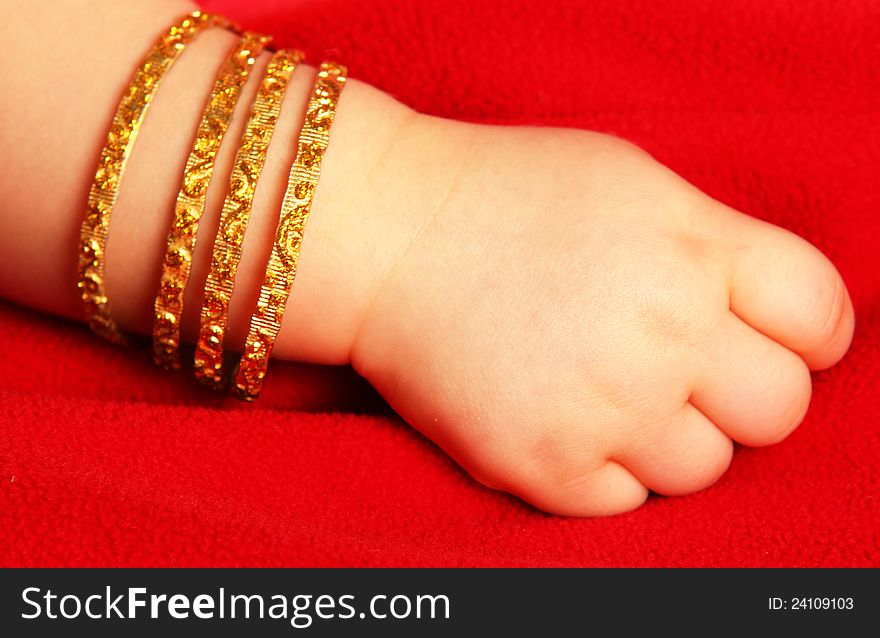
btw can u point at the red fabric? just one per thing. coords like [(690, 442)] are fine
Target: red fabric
[(771, 107)]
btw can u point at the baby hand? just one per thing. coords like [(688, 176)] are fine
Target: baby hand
[(577, 325)]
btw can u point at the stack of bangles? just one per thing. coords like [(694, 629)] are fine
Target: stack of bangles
[(190, 204)]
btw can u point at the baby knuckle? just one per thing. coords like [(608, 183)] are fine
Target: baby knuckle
[(793, 402), (708, 465), (626, 146), (692, 250), (675, 319), (827, 311), (557, 462)]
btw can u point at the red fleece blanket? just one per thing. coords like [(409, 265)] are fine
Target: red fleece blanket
[(771, 107)]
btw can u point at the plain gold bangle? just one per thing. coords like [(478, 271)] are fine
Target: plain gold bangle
[(234, 216), (190, 203), (111, 166), (281, 271)]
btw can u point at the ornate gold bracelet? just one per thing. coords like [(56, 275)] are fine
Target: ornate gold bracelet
[(120, 141), (234, 216), (190, 204), (281, 271)]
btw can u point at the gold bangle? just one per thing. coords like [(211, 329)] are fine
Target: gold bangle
[(234, 216), (190, 203), (281, 271), (114, 156)]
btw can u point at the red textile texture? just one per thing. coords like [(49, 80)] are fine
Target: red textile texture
[(771, 107)]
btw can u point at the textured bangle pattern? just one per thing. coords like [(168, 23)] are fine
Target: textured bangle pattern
[(120, 141), (190, 203), (281, 271), (234, 217)]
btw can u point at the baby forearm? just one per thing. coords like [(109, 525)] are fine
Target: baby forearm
[(58, 96)]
